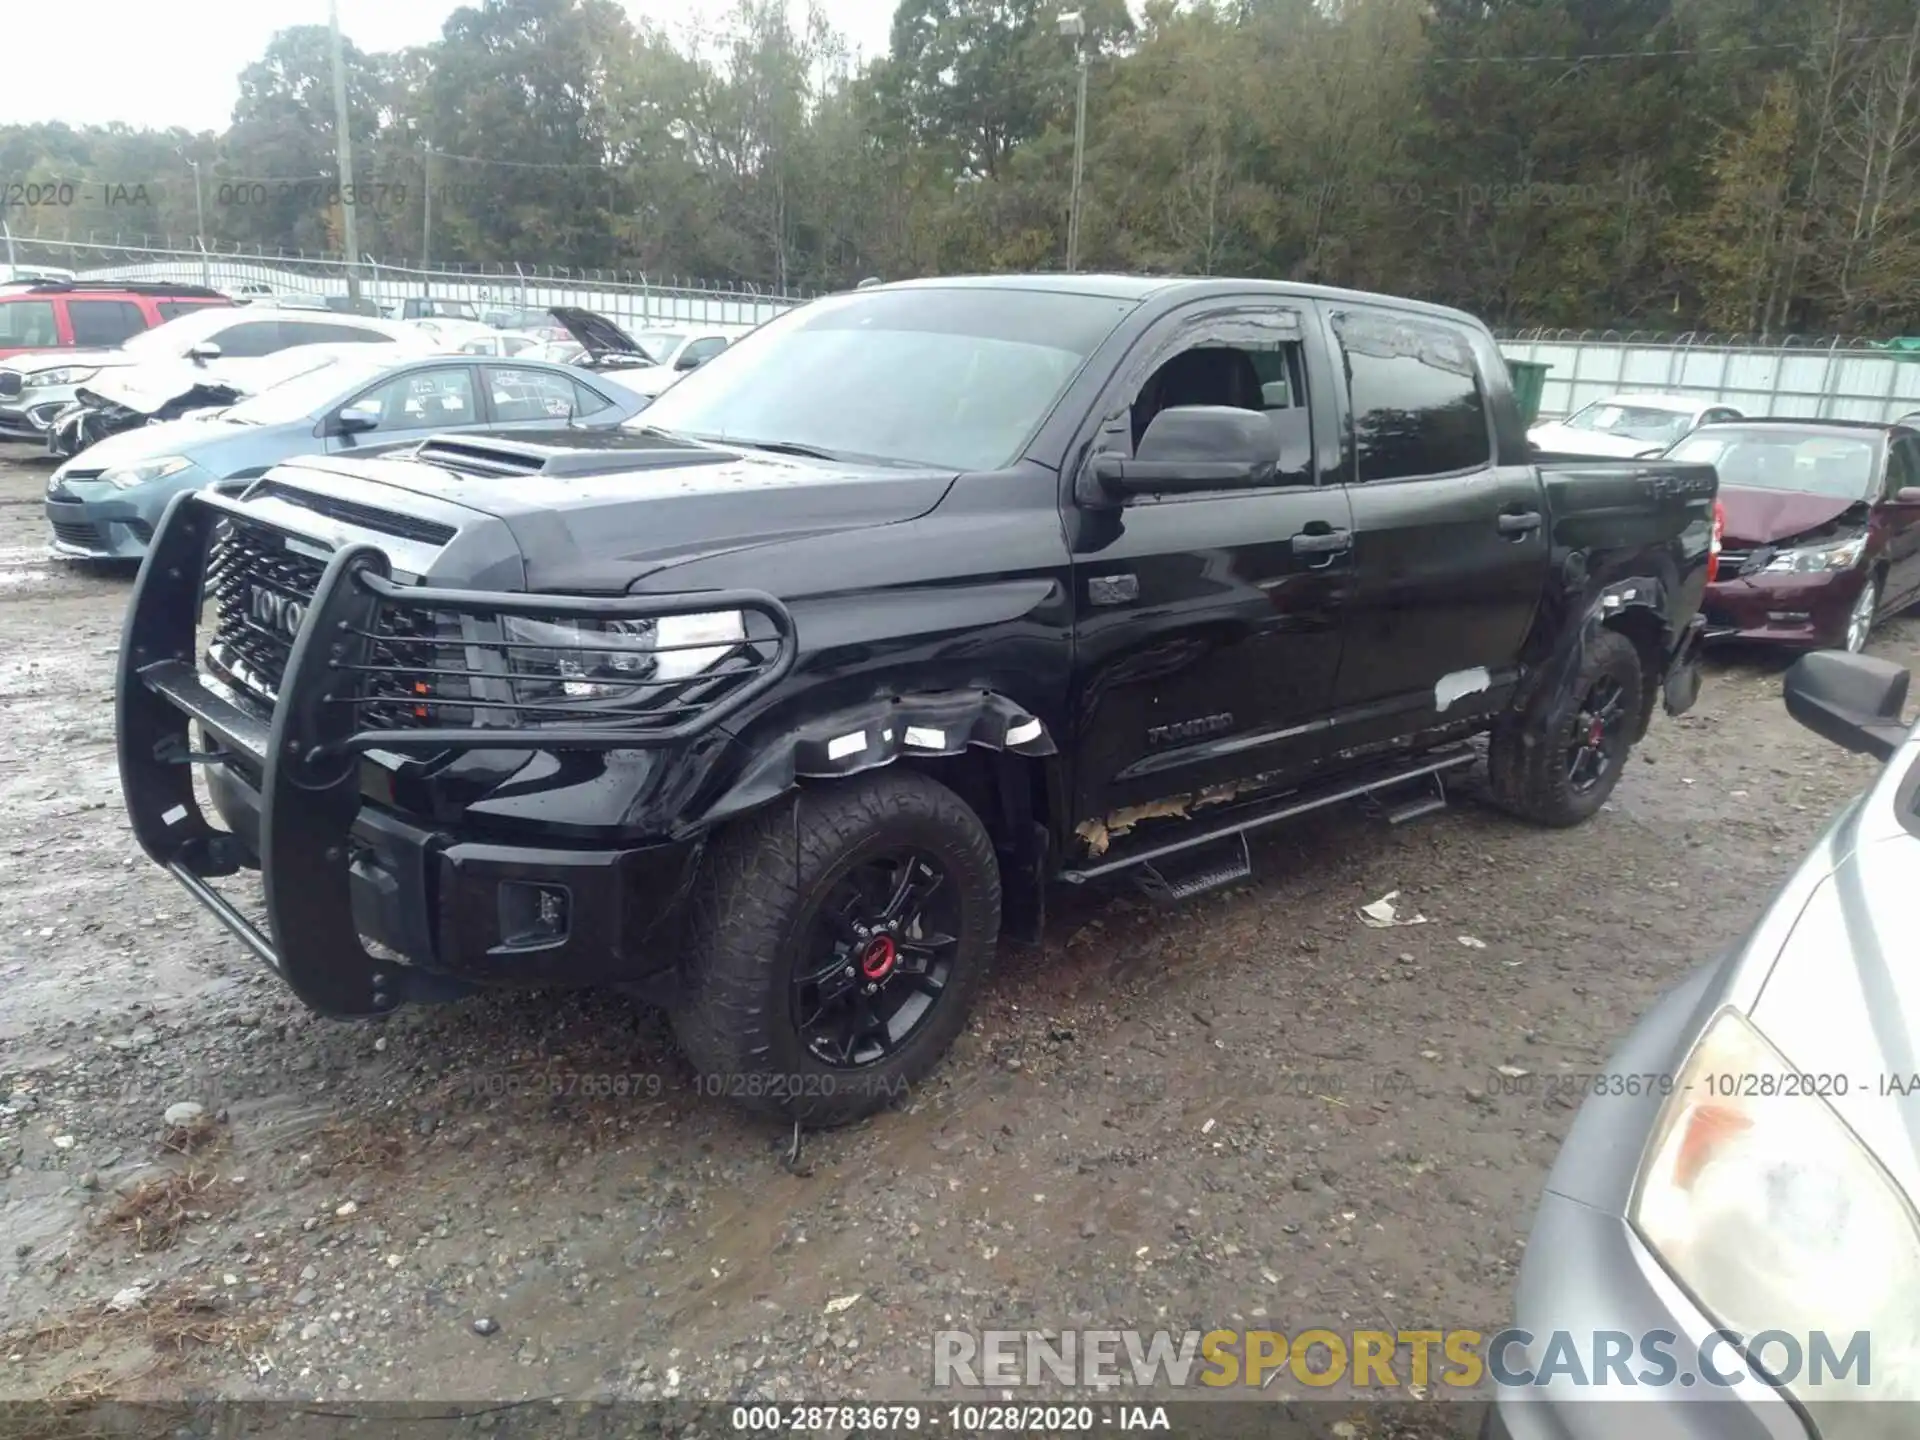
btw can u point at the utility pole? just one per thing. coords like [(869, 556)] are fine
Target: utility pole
[(344, 140), (1074, 26), (426, 196), (200, 215)]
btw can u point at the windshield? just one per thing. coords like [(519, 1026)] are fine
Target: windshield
[(305, 395), (956, 378), (1807, 461), (1632, 422)]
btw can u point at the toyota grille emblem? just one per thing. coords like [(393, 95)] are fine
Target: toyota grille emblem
[(272, 611)]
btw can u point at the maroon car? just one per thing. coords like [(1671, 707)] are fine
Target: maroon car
[(1822, 528)]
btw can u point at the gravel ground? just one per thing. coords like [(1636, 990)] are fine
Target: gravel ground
[(1254, 1111)]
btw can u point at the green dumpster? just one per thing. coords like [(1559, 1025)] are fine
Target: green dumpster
[(1529, 383)]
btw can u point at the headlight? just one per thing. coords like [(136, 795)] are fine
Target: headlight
[(1818, 559), (1765, 1206), (615, 659), (47, 379), (125, 477)]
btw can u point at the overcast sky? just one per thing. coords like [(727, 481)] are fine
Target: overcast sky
[(88, 62)]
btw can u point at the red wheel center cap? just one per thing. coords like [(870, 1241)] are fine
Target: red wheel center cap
[(877, 960), (1596, 732)]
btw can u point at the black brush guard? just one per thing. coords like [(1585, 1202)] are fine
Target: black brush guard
[(308, 753)]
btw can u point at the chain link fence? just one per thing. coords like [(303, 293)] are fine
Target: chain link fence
[(633, 300)]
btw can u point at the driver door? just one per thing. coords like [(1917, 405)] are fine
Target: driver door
[(1207, 632)]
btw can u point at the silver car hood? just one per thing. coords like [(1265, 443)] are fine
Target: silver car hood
[(1836, 965), (37, 360)]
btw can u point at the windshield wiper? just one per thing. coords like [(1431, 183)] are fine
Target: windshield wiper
[(787, 447)]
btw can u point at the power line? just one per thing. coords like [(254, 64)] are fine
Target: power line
[(527, 164)]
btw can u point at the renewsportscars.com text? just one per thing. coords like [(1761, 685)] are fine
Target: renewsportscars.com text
[(1388, 1359)]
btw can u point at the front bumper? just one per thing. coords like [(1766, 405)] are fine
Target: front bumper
[(30, 415), (292, 786), (97, 529), (1807, 612)]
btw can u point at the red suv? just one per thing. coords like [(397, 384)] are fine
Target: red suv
[(90, 314)]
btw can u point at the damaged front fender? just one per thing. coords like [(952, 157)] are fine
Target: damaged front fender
[(878, 733)]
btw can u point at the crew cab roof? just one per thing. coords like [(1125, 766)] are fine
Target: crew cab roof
[(1171, 289)]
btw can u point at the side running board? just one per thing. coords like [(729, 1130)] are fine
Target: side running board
[(1168, 877)]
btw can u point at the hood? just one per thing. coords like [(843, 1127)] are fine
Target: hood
[(36, 360), (650, 380), (599, 335), (594, 511), (146, 389), (1761, 517), (1560, 440), (191, 438), (1843, 997)]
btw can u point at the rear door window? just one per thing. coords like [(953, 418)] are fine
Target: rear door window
[(524, 395), (104, 322), (27, 322), (249, 340), (1418, 407), (315, 332)]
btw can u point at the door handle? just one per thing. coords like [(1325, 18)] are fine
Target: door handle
[(1524, 523), (1322, 542)]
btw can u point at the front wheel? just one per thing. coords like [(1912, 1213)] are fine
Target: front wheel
[(837, 943), (1556, 763), (1860, 618)]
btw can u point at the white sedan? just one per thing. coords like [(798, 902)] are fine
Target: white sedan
[(1626, 425)]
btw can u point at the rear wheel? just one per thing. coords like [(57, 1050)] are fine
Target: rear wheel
[(837, 944), (1558, 761)]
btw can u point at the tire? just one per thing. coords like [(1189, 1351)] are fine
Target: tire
[(775, 936), (1531, 763)]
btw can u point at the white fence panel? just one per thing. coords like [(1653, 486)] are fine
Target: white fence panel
[(1834, 380)]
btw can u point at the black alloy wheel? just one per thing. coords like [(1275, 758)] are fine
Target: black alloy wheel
[(877, 958)]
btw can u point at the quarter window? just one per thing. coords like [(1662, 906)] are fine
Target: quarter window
[(1418, 408)]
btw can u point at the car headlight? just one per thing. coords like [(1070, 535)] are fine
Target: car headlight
[(48, 379), (125, 477), (614, 659), (1818, 559), (1761, 1201)]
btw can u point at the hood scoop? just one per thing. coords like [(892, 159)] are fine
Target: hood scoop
[(568, 453)]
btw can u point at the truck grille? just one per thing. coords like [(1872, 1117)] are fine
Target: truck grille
[(499, 663), (258, 591)]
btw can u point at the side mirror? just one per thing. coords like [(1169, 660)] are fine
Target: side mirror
[(1853, 700), (203, 352), (687, 362), (1909, 495), (360, 416), (1192, 448)]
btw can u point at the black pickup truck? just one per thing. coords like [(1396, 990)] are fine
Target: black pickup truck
[(782, 705)]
